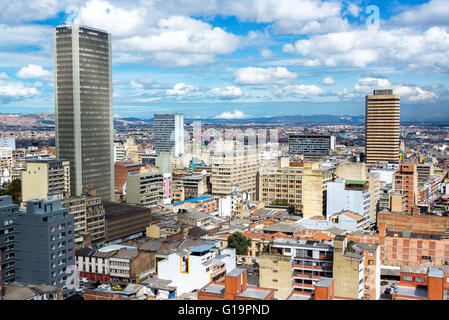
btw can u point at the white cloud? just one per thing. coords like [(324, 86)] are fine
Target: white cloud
[(409, 93), (354, 10), (33, 71), (300, 90), (3, 75), (328, 81), (228, 93), (266, 53), (15, 90), (363, 47), (114, 19), (432, 13), (262, 76), (181, 89), (237, 114)]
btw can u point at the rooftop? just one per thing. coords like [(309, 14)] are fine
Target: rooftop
[(255, 293)]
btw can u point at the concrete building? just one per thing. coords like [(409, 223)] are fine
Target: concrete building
[(281, 185), (169, 133), (83, 107), (129, 266), (382, 112), (310, 261), (145, 189), (44, 244), (89, 216), (275, 272), (8, 213), (311, 146), (193, 268), (44, 179), (405, 182), (314, 188), (6, 159), (356, 270), (234, 168), (349, 195)]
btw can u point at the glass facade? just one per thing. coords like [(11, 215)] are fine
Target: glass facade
[(83, 98)]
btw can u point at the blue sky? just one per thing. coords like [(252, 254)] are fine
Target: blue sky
[(237, 59)]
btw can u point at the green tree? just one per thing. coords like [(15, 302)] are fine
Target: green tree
[(239, 242), (13, 189)]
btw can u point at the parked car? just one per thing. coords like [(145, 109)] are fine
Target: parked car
[(388, 291), (240, 262), (250, 272), (383, 283)]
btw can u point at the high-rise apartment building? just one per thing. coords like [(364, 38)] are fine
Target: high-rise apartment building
[(382, 112), (311, 146), (231, 168), (89, 216), (169, 133), (314, 188), (8, 212), (44, 244), (83, 107), (405, 182), (44, 179)]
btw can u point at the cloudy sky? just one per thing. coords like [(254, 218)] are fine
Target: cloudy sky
[(238, 58)]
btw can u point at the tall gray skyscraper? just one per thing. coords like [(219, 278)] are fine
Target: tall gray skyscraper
[(169, 133), (83, 107)]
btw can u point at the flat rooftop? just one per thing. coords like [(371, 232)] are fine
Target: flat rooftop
[(412, 292), (255, 293)]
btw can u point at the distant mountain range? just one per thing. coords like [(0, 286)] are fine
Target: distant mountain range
[(47, 120)]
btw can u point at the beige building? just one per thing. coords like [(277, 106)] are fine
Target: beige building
[(374, 190), (351, 171), (356, 270), (300, 186), (281, 185), (145, 188), (6, 159), (44, 179), (382, 113), (89, 215), (234, 168), (276, 273), (314, 185)]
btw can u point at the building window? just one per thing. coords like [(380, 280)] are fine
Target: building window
[(408, 278), (371, 253), (419, 279), (370, 262)]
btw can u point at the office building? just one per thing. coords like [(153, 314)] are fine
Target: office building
[(44, 244), (44, 179), (311, 146), (314, 188), (382, 112), (83, 107), (121, 171), (234, 168), (169, 133), (145, 189), (8, 212)]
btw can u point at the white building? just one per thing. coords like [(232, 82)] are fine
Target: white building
[(194, 268), (348, 195), (8, 142)]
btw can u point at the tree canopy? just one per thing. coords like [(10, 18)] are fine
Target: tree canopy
[(239, 242), (13, 189)]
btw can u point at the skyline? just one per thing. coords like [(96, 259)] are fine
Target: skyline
[(220, 61)]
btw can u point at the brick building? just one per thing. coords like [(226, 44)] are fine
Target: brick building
[(234, 287)]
